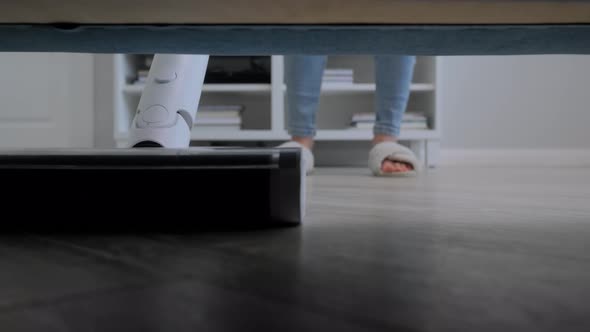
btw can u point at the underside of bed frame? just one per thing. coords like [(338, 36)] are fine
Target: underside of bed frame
[(298, 39)]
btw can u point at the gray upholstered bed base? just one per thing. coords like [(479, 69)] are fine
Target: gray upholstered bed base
[(299, 39)]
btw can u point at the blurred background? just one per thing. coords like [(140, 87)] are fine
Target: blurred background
[(472, 110)]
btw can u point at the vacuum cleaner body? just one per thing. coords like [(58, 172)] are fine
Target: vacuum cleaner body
[(152, 188)]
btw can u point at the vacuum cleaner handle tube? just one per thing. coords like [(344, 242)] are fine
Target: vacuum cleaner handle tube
[(169, 102)]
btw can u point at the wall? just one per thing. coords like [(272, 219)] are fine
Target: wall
[(103, 101), (516, 102), (513, 103)]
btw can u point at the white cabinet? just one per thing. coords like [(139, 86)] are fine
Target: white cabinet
[(263, 119), (46, 100)]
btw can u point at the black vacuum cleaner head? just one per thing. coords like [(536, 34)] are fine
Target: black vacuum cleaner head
[(151, 189)]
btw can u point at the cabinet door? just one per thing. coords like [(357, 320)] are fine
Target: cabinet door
[(46, 100)]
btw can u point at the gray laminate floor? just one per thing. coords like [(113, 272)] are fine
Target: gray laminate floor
[(452, 195), (457, 249)]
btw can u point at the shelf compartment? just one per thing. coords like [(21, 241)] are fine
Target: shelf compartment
[(322, 135), (137, 89), (334, 88)]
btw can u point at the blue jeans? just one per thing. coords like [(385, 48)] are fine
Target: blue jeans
[(393, 77)]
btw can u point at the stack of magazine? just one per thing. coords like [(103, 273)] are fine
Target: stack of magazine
[(411, 120), (219, 117), (338, 76)]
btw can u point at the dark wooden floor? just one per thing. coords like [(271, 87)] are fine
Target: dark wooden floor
[(453, 250)]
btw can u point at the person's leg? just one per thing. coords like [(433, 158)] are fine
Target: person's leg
[(393, 78), (303, 74)]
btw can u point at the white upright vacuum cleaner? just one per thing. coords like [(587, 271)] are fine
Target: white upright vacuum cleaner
[(169, 102)]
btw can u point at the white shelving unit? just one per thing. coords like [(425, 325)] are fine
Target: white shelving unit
[(263, 119)]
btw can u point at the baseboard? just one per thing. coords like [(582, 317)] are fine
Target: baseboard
[(516, 157)]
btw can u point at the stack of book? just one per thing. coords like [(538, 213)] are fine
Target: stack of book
[(411, 120), (338, 76), (145, 63), (219, 117), (142, 75)]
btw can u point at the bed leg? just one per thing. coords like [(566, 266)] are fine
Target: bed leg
[(169, 102)]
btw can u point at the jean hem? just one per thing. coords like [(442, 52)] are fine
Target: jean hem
[(386, 130), (298, 132)]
